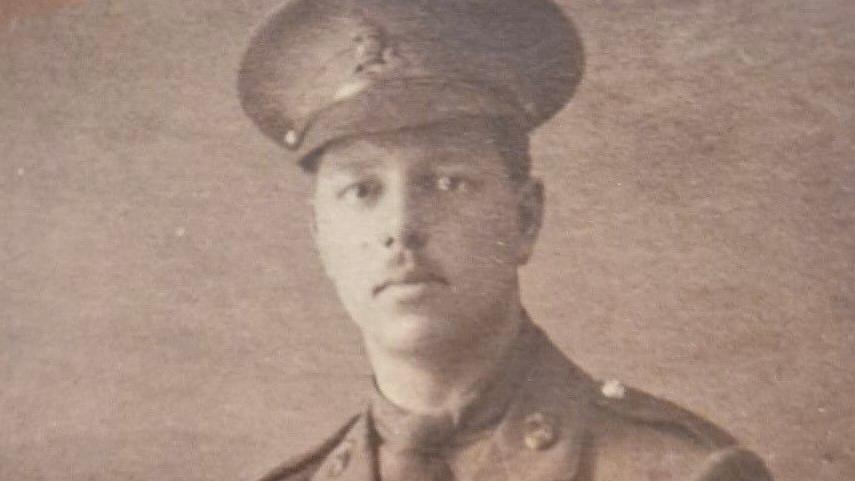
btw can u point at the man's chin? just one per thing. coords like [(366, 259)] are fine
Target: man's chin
[(416, 335)]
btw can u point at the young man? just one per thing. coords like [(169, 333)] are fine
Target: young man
[(413, 116)]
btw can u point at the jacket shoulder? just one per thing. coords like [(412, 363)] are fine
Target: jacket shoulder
[(639, 436), (303, 466), (634, 407)]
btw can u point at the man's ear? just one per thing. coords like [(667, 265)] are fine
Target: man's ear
[(531, 205)]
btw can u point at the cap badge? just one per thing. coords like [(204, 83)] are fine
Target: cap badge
[(369, 48), (374, 56), (372, 51)]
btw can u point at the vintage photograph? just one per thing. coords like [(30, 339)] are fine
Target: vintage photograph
[(427, 240)]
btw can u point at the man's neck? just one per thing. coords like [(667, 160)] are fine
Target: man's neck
[(442, 383)]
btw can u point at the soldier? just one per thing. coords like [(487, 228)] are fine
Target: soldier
[(413, 116)]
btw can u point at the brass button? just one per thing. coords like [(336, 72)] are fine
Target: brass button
[(540, 432)]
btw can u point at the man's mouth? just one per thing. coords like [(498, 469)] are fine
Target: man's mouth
[(409, 278)]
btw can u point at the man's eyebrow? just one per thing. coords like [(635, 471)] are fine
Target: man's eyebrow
[(457, 160), (351, 165)]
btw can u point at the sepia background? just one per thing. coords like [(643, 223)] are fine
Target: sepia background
[(163, 316)]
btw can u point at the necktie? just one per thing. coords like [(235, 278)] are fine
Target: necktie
[(413, 449)]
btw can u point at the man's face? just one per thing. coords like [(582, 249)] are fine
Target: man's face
[(422, 233)]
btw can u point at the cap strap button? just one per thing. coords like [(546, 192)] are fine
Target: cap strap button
[(291, 138)]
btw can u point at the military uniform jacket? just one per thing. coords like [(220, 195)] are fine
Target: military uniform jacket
[(560, 425)]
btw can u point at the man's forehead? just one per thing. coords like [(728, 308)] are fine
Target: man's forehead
[(441, 145)]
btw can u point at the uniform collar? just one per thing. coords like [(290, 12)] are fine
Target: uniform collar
[(539, 437)]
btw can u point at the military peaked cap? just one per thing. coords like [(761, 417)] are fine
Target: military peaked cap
[(318, 70)]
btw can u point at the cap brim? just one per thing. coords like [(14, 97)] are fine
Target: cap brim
[(403, 104)]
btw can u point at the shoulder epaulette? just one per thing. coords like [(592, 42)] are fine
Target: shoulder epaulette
[(299, 463), (643, 407)]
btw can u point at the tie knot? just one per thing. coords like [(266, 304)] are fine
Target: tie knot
[(413, 446), (413, 432)]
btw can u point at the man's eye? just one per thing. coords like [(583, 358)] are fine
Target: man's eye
[(360, 191), (450, 183)]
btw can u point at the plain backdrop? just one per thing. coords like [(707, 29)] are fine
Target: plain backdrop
[(163, 314)]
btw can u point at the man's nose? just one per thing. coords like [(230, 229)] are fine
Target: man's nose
[(406, 227)]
